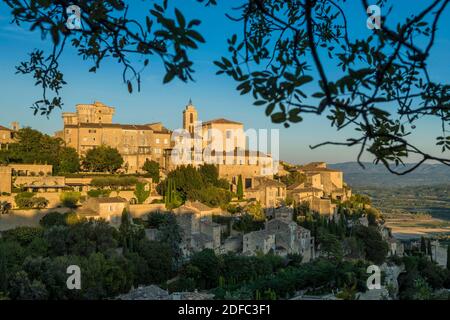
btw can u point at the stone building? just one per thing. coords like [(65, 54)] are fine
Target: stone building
[(261, 241), (7, 135), (29, 177), (291, 238), (198, 208), (198, 230), (287, 236), (331, 181), (108, 208), (92, 126), (221, 142), (439, 253), (270, 193), (321, 186)]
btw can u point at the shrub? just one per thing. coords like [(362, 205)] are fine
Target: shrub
[(98, 193), (70, 199), (52, 219), (23, 200), (114, 182), (152, 168), (140, 193), (39, 202)]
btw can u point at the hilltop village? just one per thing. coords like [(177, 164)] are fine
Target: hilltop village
[(211, 205)]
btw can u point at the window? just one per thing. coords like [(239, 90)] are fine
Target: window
[(165, 141), (157, 140), (191, 118), (229, 133)]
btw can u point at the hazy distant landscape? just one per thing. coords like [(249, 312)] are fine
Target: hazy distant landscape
[(424, 192), (378, 176)]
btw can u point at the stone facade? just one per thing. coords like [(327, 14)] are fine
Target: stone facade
[(261, 241), (221, 142), (321, 186), (91, 126), (30, 177), (7, 135), (198, 230), (270, 193), (291, 238), (108, 208), (439, 253)]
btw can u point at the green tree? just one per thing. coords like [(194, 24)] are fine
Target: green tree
[(140, 192), (240, 188), (33, 146), (209, 265), (170, 234), (330, 245), (255, 209), (53, 219), (448, 257), (423, 245), (103, 159), (152, 169), (70, 199), (376, 249), (69, 162)]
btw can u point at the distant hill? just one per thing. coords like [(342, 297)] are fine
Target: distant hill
[(379, 176)]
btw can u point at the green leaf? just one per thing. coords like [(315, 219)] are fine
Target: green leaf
[(278, 117), (180, 18), (318, 95)]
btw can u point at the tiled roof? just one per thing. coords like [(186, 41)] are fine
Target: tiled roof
[(197, 205), (110, 200), (5, 128), (117, 125), (307, 189), (295, 185), (221, 121), (316, 169)]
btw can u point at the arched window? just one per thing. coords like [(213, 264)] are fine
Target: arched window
[(191, 118)]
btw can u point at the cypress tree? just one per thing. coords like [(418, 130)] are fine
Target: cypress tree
[(423, 246), (429, 249), (240, 188), (448, 257)]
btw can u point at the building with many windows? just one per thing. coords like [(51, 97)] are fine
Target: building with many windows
[(91, 126)]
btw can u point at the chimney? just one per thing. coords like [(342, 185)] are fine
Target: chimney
[(15, 126)]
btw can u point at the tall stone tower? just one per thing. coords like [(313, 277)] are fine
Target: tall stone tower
[(15, 126), (190, 117)]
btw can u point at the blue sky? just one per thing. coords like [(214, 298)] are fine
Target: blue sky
[(214, 96)]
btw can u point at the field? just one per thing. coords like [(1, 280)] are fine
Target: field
[(413, 211)]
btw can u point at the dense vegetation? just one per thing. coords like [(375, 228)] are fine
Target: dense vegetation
[(202, 184), (231, 276), (102, 159), (33, 146), (33, 261)]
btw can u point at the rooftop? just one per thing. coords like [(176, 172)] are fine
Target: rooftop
[(110, 200), (5, 128), (197, 205), (118, 126), (221, 121)]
